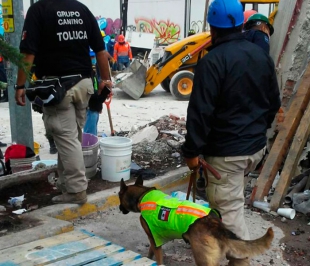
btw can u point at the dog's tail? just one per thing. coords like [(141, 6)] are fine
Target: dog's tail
[(238, 248)]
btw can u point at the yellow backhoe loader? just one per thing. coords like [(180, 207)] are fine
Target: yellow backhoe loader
[(175, 69)]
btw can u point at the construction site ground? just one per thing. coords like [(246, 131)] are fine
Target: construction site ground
[(292, 236)]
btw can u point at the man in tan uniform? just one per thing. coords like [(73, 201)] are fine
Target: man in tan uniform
[(58, 35)]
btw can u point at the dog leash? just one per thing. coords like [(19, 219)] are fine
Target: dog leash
[(192, 179)]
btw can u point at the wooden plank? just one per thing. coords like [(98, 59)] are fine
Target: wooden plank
[(291, 161), (63, 251), (141, 262), (17, 253), (94, 255), (286, 132), (117, 259)]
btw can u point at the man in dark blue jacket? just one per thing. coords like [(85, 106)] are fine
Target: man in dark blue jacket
[(234, 101), (258, 30)]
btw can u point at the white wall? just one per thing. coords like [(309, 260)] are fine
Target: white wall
[(164, 18), (103, 8), (197, 15)]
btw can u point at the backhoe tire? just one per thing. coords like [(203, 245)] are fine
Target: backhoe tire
[(165, 84), (181, 85)]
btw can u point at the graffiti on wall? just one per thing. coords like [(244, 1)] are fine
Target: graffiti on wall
[(197, 26), (109, 26), (166, 31)]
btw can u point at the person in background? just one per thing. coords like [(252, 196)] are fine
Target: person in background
[(258, 30), (234, 101), (95, 104), (122, 53), (62, 50), (110, 49), (4, 98), (110, 45)]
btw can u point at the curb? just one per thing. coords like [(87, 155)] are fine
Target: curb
[(101, 201), (55, 218)]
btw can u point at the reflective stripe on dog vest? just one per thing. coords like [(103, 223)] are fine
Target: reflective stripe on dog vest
[(168, 218)]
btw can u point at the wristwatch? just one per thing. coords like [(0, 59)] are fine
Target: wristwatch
[(20, 87)]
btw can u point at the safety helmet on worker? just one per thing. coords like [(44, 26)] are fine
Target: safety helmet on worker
[(225, 14), (121, 38), (256, 19), (248, 13)]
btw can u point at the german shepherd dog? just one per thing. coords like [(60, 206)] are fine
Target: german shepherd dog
[(209, 239)]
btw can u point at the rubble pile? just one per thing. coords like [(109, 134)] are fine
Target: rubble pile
[(157, 145)]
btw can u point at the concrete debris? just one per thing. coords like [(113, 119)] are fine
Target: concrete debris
[(2, 232), (152, 150), (173, 144), (175, 134), (158, 144), (148, 134), (175, 155)]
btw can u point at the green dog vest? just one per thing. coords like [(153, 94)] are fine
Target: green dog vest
[(169, 218)]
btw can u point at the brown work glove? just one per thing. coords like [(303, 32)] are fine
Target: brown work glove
[(192, 163)]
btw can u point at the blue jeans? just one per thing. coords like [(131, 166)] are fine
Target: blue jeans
[(91, 122), (122, 65)]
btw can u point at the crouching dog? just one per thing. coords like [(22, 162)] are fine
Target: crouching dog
[(164, 218)]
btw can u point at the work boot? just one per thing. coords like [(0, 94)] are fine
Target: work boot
[(53, 148), (61, 187), (76, 198)]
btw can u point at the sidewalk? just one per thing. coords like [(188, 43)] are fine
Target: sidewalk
[(56, 219), (56, 222)]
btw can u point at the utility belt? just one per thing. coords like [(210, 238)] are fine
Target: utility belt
[(51, 90)]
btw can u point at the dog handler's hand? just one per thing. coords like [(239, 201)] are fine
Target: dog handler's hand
[(192, 163), (20, 97), (103, 83)]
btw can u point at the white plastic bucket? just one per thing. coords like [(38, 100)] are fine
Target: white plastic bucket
[(115, 158)]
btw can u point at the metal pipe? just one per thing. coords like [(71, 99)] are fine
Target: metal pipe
[(297, 188), (205, 16)]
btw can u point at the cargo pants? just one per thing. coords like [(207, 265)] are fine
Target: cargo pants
[(227, 194), (65, 122)]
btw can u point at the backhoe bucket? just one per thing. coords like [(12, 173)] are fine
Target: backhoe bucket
[(132, 80)]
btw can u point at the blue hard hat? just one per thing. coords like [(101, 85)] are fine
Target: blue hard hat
[(225, 13)]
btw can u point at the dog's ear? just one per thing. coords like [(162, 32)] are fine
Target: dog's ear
[(139, 181), (123, 185)]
